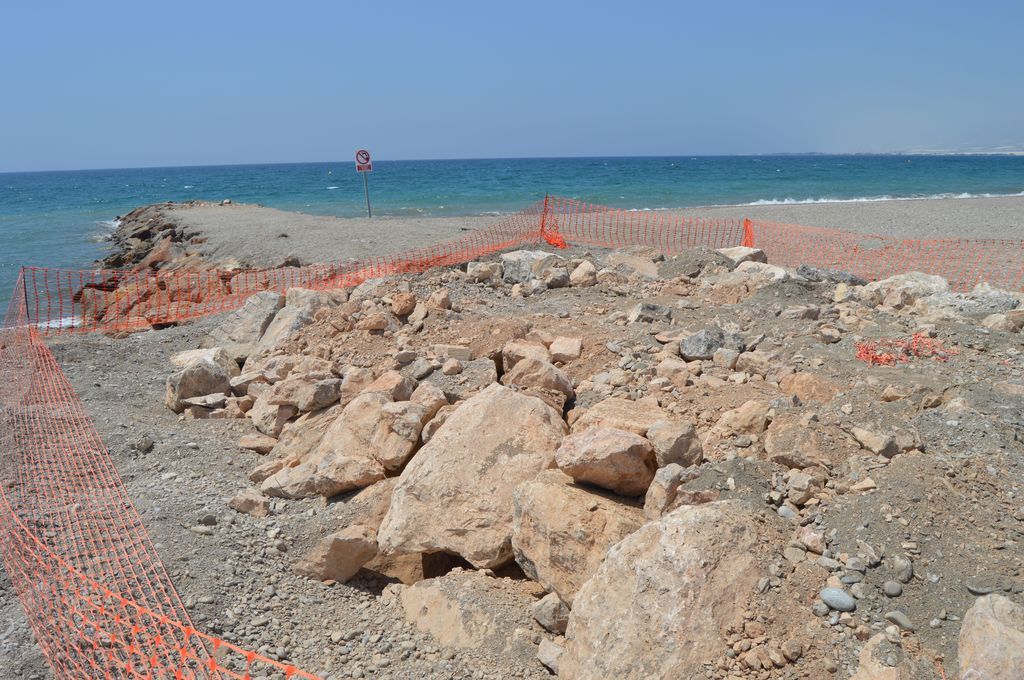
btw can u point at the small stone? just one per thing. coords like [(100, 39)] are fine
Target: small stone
[(792, 649), (838, 599), (452, 367), (903, 568), (980, 588), (892, 588), (900, 619), (421, 368), (866, 484)]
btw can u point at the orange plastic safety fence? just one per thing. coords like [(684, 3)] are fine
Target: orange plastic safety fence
[(963, 262), (93, 587)]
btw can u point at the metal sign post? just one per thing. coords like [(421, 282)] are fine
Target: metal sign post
[(364, 165)]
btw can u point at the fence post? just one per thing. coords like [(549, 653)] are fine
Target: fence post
[(24, 291), (748, 233), (544, 217)]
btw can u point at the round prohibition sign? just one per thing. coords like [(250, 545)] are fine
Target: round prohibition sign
[(362, 156)]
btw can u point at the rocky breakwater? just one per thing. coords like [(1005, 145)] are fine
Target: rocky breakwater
[(158, 272), (635, 466)]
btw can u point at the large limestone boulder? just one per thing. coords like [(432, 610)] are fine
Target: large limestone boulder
[(305, 392), (198, 379), (470, 610), (215, 354), (621, 414), (906, 288), (561, 532), (371, 437), (287, 322), (612, 459), (456, 494), (675, 441), (537, 373), (656, 606), (240, 332), (521, 266), (808, 387), (339, 556), (992, 639), (269, 418)]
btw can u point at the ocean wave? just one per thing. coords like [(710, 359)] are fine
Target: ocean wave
[(106, 228), (63, 322), (332, 187), (866, 199)]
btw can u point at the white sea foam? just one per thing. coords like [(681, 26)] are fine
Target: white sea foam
[(64, 322), (106, 228), (871, 199), (332, 187), (187, 186)]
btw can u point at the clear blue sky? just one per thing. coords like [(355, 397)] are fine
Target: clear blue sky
[(119, 84)]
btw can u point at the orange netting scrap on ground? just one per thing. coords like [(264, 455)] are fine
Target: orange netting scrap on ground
[(892, 351)]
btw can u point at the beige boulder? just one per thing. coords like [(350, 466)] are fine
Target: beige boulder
[(621, 414), (675, 441), (198, 379), (908, 287), (565, 349), (585, 274), (242, 330), (991, 641), (751, 417), (515, 351), (675, 371), (794, 441), (665, 493), (287, 322), (270, 418), (657, 605), (551, 613), (616, 460), (456, 494), (740, 254), (260, 443), (470, 610), (561, 532), (392, 383), (250, 502), (809, 387), (215, 354), (305, 392), (531, 373), (431, 398), (339, 556), (372, 436), (872, 664)]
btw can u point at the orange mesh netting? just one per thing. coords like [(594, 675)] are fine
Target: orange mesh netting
[(93, 587)]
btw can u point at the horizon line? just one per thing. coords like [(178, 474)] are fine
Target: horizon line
[(541, 158)]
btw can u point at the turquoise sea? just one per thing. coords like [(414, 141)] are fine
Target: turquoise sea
[(60, 219)]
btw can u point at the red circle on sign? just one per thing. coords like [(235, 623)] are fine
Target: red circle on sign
[(362, 156)]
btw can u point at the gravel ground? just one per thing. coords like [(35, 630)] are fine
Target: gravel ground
[(237, 582)]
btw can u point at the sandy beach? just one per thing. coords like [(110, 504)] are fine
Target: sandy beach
[(256, 235)]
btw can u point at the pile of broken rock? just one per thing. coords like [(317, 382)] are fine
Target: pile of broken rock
[(681, 452)]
